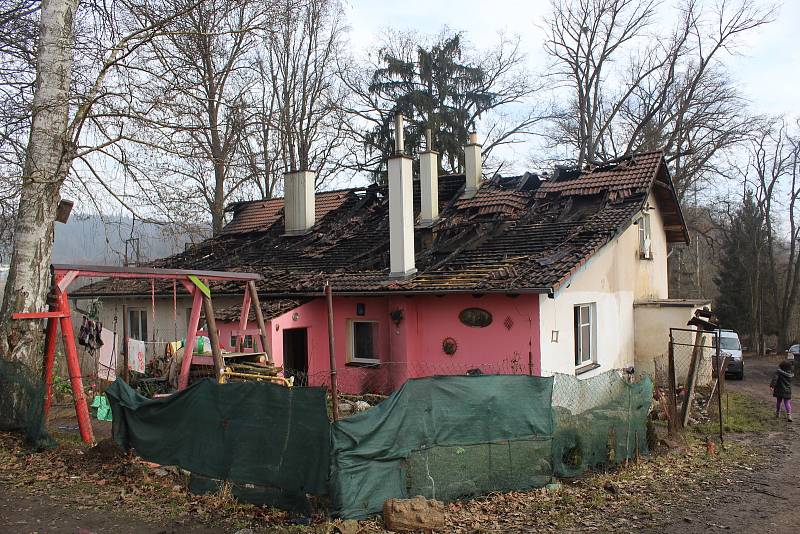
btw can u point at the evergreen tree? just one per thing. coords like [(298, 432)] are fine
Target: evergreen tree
[(435, 91), (742, 279)]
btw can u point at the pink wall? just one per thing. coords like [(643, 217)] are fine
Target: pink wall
[(413, 348)]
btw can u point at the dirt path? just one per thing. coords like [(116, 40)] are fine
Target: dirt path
[(26, 514), (761, 501)]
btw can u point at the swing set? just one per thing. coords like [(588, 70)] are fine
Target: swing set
[(195, 283)]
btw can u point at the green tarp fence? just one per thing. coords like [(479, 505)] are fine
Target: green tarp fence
[(444, 437), (248, 432)]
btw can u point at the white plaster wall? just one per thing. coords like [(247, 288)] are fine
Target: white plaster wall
[(651, 275), (614, 278), (652, 324)]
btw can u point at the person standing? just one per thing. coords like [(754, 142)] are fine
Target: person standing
[(782, 389)]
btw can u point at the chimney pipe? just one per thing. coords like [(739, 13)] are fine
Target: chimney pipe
[(399, 135), (299, 202), (401, 209), (429, 183), (472, 166)]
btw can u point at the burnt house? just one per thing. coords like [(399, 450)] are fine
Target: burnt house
[(439, 274)]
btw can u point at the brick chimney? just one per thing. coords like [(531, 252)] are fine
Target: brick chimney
[(472, 166), (298, 209), (401, 209), (428, 183)]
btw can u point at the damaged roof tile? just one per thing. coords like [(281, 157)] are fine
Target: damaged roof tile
[(515, 234)]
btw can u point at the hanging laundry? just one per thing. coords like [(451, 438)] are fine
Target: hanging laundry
[(95, 334), (107, 360), (136, 355), (101, 408), (85, 332)]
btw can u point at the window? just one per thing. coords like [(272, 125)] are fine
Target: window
[(645, 249), (247, 342), (137, 324), (726, 343), (585, 334), (362, 343)]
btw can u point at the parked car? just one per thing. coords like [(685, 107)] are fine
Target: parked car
[(731, 347)]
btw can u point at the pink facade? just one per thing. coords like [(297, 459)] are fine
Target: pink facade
[(413, 346)]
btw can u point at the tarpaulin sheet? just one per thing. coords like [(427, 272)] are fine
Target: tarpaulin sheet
[(445, 414), (249, 432)]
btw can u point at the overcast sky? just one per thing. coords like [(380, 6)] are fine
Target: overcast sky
[(768, 67)]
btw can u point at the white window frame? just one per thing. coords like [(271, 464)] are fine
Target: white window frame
[(351, 332), (582, 360), (136, 328), (645, 238)]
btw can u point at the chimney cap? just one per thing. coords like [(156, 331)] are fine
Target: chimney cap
[(473, 137)]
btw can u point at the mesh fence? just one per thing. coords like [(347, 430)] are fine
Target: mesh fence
[(386, 377), (22, 403), (598, 421), (683, 348)]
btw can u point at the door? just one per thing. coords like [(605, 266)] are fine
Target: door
[(295, 355)]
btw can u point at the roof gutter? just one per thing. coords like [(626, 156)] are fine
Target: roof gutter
[(549, 291)]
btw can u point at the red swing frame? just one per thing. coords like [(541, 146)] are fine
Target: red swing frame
[(59, 314)]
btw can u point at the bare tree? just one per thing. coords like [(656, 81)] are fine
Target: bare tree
[(295, 105), (59, 115), (18, 34), (773, 173), (634, 87), (187, 99)]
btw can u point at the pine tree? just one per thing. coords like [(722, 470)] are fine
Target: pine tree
[(436, 91), (742, 279)]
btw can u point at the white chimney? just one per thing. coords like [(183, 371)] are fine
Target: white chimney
[(472, 166), (428, 183), (401, 209), (298, 209)]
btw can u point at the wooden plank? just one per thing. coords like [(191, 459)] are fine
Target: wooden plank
[(691, 382), (202, 360), (213, 335)]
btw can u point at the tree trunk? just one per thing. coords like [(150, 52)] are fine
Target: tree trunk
[(47, 162)]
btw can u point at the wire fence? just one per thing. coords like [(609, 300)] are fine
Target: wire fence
[(684, 344)]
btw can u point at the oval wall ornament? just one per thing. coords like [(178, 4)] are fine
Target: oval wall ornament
[(476, 317)]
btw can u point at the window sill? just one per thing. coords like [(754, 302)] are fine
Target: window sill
[(586, 368), (363, 363)]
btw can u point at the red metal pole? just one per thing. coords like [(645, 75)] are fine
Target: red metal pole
[(74, 367), (191, 334), (49, 360)]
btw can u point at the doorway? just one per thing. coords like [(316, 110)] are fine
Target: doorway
[(295, 355)]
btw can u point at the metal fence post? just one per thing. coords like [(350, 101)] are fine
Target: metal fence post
[(720, 381), (334, 391), (671, 388)]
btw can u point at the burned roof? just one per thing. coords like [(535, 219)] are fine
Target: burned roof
[(516, 234)]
